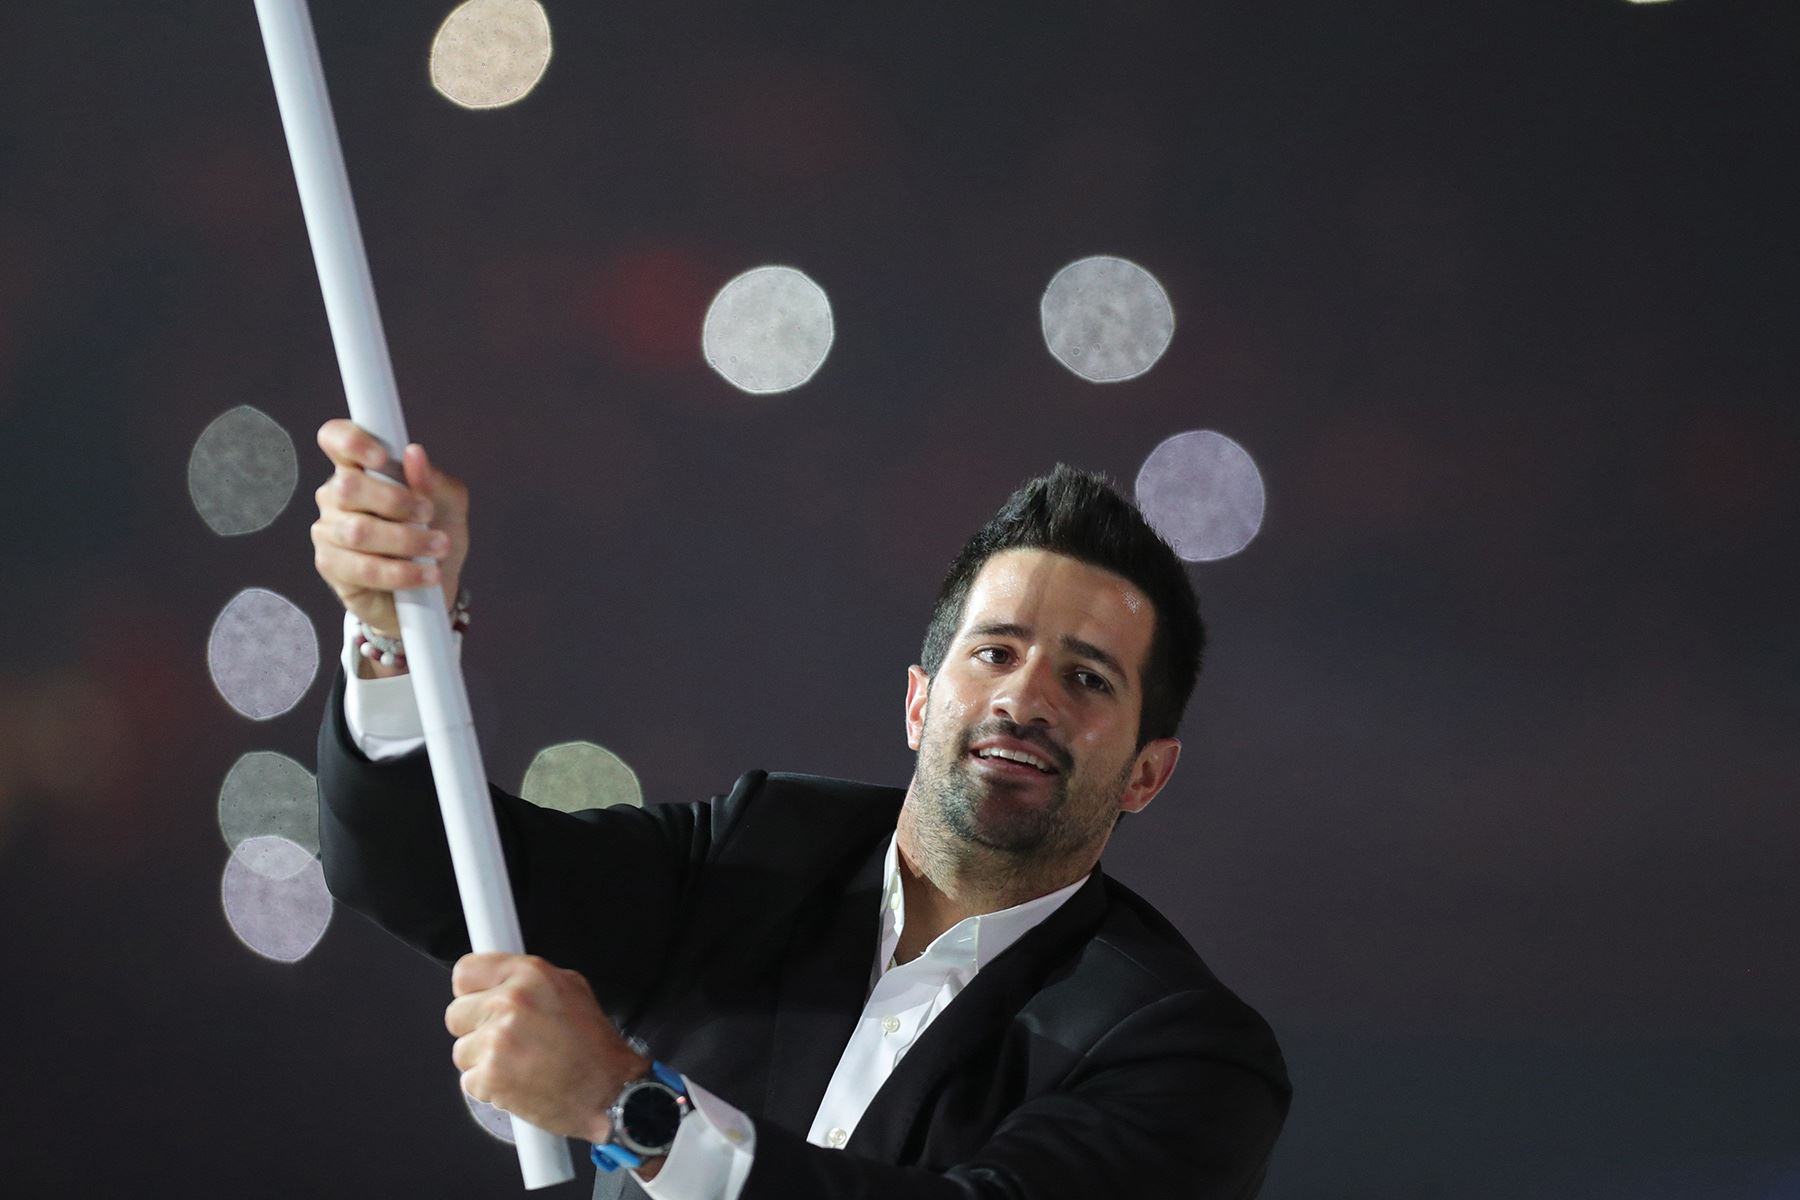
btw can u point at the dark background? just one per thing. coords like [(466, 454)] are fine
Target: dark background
[(1488, 801)]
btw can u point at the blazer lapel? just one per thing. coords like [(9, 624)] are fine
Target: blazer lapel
[(981, 1009), (824, 985)]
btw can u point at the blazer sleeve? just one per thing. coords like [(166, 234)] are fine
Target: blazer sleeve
[(597, 891), (1153, 1111)]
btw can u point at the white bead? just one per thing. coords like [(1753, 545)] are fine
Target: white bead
[(388, 659)]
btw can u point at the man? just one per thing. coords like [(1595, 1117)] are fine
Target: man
[(848, 991)]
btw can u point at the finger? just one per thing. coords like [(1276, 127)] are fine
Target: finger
[(465, 1053), (350, 445), (463, 1014), (422, 476), (354, 490), (352, 569), (373, 535), (479, 972)]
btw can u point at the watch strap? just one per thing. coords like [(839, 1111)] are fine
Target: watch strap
[(609, 1155)]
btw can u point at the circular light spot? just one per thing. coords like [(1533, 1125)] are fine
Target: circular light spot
[(768, 330), (263, 654), (496, 1122), (269, 794), (490, 53), (578, 775), (275, 898), (242, 471), (1106, 319), (1203, 493)]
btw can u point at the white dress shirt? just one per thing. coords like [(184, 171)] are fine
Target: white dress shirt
[(715, 1146)]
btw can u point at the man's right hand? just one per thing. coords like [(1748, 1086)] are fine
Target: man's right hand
[(369, 529)]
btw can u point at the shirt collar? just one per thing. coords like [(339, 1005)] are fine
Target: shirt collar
[(973, 942)]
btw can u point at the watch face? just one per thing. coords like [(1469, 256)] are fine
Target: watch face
[(650, 1116)]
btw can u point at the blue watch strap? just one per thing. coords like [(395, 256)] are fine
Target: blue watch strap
[(610, 1156)]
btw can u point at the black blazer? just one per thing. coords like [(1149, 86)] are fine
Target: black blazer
[(1096, 1057)]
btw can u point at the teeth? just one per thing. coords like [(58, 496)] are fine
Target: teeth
[(1018, 756)]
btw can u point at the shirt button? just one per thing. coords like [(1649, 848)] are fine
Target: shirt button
[(890, 1025), (836, 1139)]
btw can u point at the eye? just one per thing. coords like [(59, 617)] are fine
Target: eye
[(997, 656), (1093, 681)]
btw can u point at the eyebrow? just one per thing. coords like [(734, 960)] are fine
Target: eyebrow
[(1074, 645)]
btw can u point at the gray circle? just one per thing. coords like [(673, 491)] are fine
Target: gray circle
[(1202, 492), (495, 1122), (242, 472), (579, 775), (1106, 319), (263, 654), (768, 330), (266, 793), (275, 898)]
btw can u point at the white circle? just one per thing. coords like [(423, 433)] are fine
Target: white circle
[(768, 330), (275, 898), (266, 793), (579, 775), (242, 471), (490, 53), (263, 654), (1202, 492), (1106, 319)]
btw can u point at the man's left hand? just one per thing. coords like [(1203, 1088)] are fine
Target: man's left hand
[(531, 1039)]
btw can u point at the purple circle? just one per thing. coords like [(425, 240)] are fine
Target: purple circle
[(1202, 492), (275, 898), (263, 654)]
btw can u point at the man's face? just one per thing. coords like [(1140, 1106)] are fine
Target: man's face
[(1047, 665)]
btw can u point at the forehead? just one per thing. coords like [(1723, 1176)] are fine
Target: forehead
[(1056, 596)]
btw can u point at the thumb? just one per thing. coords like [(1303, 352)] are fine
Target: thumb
[(444, 491), (418, 469)]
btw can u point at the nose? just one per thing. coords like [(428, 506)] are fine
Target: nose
[(1028, 695)]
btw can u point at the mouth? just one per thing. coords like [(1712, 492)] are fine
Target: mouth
[(1013, 761)]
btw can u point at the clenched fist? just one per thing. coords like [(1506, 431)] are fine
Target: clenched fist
[(370, 530), (531, 1039)]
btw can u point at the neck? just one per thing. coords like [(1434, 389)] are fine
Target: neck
[(946, 879)]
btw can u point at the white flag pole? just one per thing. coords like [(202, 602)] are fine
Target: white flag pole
[(375, 405)]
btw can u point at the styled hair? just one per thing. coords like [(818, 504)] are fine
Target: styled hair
[(1079, 515)]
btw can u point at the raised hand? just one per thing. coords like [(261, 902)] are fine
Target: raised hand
[(370, 530)]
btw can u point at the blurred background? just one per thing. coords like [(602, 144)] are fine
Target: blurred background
[(1486, 313)]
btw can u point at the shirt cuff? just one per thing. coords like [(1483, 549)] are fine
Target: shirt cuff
[(711, 1157), (382, 715)]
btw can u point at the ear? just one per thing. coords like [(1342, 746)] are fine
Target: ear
[(918, 689), (1154, 764)]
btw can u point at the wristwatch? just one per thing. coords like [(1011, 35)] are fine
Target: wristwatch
[(644, 1119)]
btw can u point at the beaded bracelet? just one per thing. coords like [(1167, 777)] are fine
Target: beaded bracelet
[(391, 652)]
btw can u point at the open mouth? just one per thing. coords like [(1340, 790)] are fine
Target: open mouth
[(1009, 761)]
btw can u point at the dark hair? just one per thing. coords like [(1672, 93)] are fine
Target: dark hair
[(1078, 514)]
